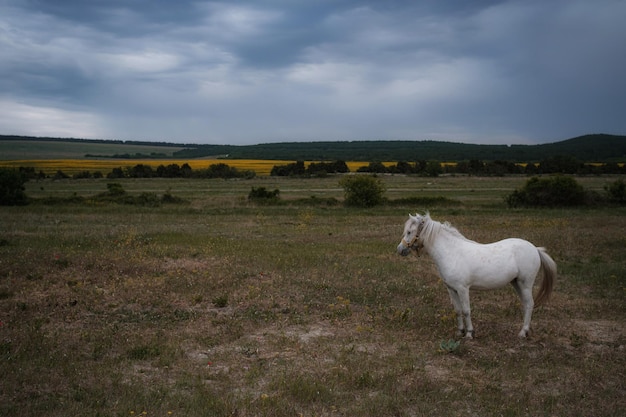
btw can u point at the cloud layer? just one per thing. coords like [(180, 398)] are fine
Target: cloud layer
[(277, 70)]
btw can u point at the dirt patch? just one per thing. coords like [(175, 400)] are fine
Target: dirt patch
[(314, 332), (187, 264), (603, 331)]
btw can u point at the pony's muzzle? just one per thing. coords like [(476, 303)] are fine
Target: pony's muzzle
[(403, 250)]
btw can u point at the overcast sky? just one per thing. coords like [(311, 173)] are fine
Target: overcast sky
[(247, 72)]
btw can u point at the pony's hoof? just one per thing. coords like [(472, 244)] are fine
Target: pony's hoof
[(469, 334), (460, 333), (523, 334)]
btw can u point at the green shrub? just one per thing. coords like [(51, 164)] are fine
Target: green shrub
[(171, 199), (363, 191), (115, 189), (144, 199), (559, 191), (262, 195), (616, 192), (12, 187)]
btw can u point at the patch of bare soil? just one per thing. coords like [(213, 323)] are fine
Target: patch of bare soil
[(601, 335), (188, 264), (603, 331)]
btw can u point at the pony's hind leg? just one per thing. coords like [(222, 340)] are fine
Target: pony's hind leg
[(454, 297), (526, 296)]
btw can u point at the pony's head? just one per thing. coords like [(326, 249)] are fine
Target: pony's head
[(411, 235)]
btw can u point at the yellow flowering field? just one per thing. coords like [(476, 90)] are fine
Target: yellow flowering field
[(71, 166)]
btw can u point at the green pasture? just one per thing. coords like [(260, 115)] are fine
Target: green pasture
[(220, 307), (33, 150)]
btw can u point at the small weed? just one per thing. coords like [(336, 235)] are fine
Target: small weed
[(143, 352), (576, 340), (249, 350), (60, 262), (220, 301), (5, 293), (450, 346), (341, 308)]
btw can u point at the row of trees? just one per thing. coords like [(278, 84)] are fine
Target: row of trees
[(553, 165), (220, 170), (314, 169)]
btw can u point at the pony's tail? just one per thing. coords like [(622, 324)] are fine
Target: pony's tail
[(549, 276)]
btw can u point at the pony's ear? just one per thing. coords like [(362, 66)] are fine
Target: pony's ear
[(412, 216)]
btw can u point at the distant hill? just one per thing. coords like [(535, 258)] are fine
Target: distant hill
[(587, 148)]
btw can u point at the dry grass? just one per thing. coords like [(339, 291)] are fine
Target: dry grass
[(222, 308)]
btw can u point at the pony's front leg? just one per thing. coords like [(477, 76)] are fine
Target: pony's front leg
[(464, 300), (454, 297)]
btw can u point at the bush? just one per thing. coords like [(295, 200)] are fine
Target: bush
[(363, 191), (616, 192), (12, 187), (262, 195), (115, 189), (559, 191)]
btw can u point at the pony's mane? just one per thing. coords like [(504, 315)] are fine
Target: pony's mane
[(432, 228)]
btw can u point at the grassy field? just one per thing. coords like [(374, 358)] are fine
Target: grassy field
[(219, 307)]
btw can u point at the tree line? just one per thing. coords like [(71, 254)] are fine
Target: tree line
[(220, 170), (552, 165)]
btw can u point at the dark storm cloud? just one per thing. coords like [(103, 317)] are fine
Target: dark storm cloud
[(256, 71)]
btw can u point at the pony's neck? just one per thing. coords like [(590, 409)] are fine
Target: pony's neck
[(432, 230)]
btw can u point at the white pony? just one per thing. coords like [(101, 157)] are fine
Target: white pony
[(465, 264)]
